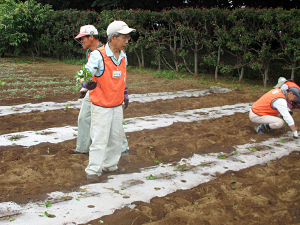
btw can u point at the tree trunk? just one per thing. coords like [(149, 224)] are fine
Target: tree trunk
[(142, 56), (159, 63), (218, 62), (242, 73), (293, 74), (138, 57), (196, 60), (266, 76)]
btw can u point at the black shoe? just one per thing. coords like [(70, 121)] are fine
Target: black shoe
[(125, 153), (92, 178)]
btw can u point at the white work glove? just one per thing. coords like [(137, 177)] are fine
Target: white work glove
[(295, 134)]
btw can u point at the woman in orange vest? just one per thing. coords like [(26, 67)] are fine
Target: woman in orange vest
[(108, 66), (265, 110)]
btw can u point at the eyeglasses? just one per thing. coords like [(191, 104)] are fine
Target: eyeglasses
[(126, 38)]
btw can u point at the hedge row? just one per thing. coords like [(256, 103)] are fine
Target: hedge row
[(177, 39)]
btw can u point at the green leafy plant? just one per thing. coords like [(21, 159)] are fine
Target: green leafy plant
[(100, 221), (281, 141), (181, 167), (67, 106), (123, 188), (12, 220), (150, 177), (150, 147), (46, 205), (79, 197), (45, 214), (156, 161), (200, 164), (252, 149), (84, 73), (235, 152)]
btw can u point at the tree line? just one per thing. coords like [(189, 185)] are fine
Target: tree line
[(231, 41)]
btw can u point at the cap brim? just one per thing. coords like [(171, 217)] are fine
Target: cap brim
[(279, 84), (126, 31), (80, 35)]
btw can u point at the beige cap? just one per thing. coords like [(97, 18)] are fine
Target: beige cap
[(281, 81), (120, 27)]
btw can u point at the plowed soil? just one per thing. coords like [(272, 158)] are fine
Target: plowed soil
[(263, 194)]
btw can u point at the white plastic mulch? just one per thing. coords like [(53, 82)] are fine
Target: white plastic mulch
[(96, 200), (143, 98), (60, 134)]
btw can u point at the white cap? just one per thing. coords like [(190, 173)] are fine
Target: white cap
[(281, 81), (87, 30), (120, 27)]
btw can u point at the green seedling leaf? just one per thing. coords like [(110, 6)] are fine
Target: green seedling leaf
[(281, 141), (12, 220), (235, 152), (79, 197), (123, 188), (222, 157), (124, 123), (200, 164), (151, 177), (100, 221), (156, 161), (46, 214), (252, 149), (181, 167), (150, 147), (85, 74), (47, 204)]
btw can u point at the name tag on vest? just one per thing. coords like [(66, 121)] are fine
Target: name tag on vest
[(117, 74)]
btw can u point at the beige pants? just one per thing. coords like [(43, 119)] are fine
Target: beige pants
[(107, 139), (273, 121)]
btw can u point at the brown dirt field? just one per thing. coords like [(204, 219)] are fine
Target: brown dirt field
[(263, 194)]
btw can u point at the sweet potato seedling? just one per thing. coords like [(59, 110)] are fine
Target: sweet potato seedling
[(150, 147), (84, 73), (150, 177)]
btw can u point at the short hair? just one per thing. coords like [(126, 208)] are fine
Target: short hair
[(95, 36), (116, 34)]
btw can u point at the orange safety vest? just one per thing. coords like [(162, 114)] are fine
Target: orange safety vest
[(292, 84), (263, 106), (111, 84)]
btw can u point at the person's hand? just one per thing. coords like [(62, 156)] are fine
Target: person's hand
[(295, 134), (89, 85), (295, 105), (82, 92), (126, 99)]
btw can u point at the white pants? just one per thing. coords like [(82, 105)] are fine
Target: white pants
[(273, 121), (107, 139)]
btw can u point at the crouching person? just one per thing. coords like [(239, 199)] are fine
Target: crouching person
[(265, 110)]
